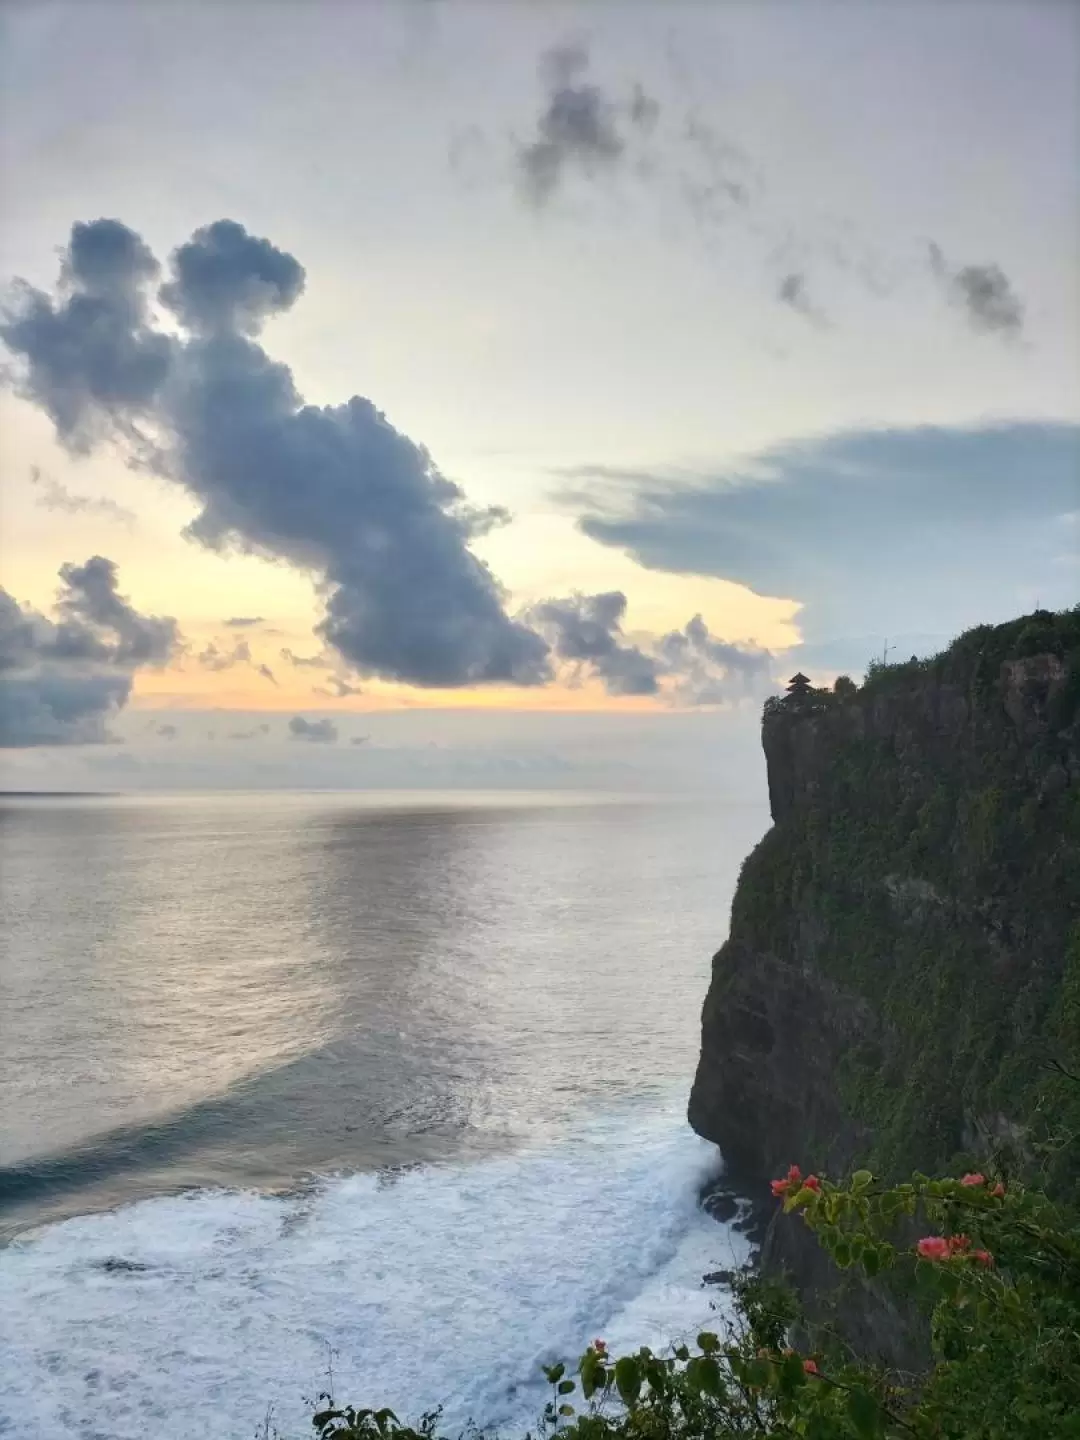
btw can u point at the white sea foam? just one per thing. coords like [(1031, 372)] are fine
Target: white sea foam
[(437, 1285)]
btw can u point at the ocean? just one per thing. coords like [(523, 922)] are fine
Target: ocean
[(384, 1087)]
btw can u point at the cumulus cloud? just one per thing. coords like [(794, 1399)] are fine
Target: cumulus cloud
[(586, 632), (95, 364), (580, 126), (54, 496), (690, 666), (318, 732), (708, 671), (63, 680), (336, 491), (984, 292), (928, 529)]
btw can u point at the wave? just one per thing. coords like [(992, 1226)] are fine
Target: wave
[(433, 1284)]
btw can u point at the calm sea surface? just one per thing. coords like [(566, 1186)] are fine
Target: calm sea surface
[(393, 1080)]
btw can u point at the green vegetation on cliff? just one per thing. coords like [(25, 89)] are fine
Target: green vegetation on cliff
[(901, 986)]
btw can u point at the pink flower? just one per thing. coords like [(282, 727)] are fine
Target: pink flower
[(794, 1174), (810, 1366), (998, 1190), (599, 1346), (983, 1257), (780, 1187), (958, 1242), (933, 1247), (812, 1183), (973, 1178)]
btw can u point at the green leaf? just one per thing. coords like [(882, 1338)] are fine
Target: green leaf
[(708, 1343), (566, 1409), (861, 1179), (866, 1414), (627, 1379), (566, 1387), (709, 1379), (554, 1373)]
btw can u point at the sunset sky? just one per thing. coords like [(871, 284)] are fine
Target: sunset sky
[(763, 314)]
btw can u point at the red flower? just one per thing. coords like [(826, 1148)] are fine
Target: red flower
[(779, 1187), (812, 1183), (794, 1174), (933, 1247), (958, 1242), (998, 1190), (983, 1257), (810, 1366), (973, 1178), (599, 1346)]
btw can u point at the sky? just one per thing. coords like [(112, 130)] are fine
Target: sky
[(535, 384)]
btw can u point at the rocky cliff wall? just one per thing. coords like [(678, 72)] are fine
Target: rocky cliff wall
[(901, 985)]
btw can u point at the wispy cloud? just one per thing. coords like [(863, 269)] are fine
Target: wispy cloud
[(54, 496)]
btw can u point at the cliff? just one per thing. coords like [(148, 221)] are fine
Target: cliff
[(901, 985)]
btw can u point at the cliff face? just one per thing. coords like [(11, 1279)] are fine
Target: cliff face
[(903, 968)]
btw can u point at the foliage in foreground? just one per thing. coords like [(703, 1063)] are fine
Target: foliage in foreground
[(997, 1270)]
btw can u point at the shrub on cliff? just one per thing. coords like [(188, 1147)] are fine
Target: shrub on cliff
[(997, 1266)]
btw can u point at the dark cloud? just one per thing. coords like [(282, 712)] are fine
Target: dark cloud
[(54, 496), (879, 530), (333, 490), (226, 281), (266, 673), (318, 732), (586, 632), (983, 292), (794, 293), (167, 732), (214, 658), (94, 363), (90, 599), (241, 622), (580, 126), (63, 680)]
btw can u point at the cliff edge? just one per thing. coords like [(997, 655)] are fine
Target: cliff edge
[(901, 985)]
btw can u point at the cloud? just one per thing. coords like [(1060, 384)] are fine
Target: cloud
[(708, 671), (927, 529), (689, 666), (580, 127), (91, 600), (338, 688), (95, 364), (241, 622), (305, 662), (586, 631), (167, 732), (213, 658), (984, 292), (54, 496), (63, 680), (318, 732), (792, 292), (266, 673), (335, 491), (359, 740)]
